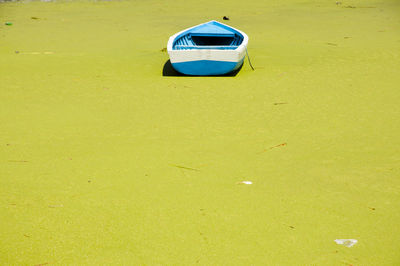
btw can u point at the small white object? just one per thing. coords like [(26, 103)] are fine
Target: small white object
[(346, 242), (246, 182)]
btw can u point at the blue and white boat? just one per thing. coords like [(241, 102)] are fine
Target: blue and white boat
[(212, 48)]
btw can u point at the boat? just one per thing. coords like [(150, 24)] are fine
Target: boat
[(208, 49)]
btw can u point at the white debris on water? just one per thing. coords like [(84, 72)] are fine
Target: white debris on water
[(346, 242), (246, 182)]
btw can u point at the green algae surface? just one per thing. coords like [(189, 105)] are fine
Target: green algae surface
[(103, 160)]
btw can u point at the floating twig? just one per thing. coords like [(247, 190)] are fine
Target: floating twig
[(270, 148), (279, 145), (184, 167)]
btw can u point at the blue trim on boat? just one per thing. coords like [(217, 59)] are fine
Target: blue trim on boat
[(206, 67)]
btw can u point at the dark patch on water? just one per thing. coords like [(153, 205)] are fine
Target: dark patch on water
[(169, 71)]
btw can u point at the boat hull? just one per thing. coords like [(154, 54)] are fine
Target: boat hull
[(208, 49), (206, 67)]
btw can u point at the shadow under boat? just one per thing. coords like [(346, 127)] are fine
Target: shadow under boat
[(169, 71)]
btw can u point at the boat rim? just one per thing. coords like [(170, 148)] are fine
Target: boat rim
[(173, 37)]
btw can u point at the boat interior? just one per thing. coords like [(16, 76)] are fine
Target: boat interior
[(208, 36)]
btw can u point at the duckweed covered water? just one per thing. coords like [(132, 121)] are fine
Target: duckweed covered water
[(103, 160)]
